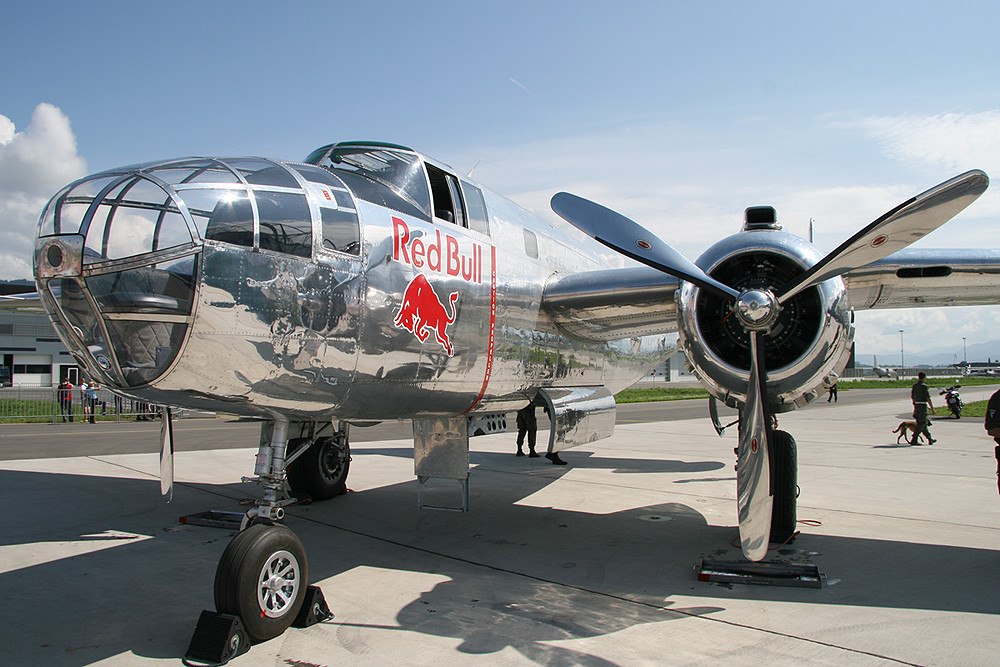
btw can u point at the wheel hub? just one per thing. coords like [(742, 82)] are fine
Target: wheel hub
[(279, 581)]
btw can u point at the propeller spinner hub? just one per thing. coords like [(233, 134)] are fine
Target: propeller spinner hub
[(756, 309)]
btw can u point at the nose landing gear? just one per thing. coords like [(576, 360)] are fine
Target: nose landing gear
[(263, 574)]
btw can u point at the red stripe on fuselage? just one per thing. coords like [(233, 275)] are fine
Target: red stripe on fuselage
[(493, 326)]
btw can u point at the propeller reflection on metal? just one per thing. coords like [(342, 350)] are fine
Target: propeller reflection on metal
[(632, 240), (166, 454)]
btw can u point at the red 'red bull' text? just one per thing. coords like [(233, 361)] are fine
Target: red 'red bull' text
[(442, 254)]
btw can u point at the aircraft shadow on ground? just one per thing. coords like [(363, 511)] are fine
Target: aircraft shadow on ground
[(514, 575), (580, 459)]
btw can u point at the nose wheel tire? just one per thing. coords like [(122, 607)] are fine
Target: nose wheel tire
[(262, 578)]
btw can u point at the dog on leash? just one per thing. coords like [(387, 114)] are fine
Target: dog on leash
[(904, 428)]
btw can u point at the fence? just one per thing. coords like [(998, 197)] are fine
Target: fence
[(41, 404)]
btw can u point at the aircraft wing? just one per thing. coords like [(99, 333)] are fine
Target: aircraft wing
[(27, 301), (620, 303), (612, 303), (913, 278)]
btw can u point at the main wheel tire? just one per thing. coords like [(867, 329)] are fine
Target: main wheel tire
[(784, 485), (262, 578), (321, 471)]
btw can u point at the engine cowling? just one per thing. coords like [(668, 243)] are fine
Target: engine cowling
[(810, 338)]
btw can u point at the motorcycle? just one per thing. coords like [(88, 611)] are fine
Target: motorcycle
[(953, 400)]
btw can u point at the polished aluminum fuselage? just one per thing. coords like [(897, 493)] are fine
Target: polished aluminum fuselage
[(256, 347), (338, 336)]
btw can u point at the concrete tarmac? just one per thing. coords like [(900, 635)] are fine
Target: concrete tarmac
[(592, 563)]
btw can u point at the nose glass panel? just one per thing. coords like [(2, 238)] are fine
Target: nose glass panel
[(129, 299), (83, 320)]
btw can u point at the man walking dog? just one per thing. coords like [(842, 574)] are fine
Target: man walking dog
[(921, 397)]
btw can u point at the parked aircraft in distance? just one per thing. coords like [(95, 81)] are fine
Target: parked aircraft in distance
[(370, 283), (881, 371)]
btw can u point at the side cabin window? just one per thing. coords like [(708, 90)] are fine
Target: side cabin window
[(530, 244), (446, 196), (475, 208)]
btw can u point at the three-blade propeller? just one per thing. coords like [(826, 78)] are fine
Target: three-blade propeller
[(756, 310)]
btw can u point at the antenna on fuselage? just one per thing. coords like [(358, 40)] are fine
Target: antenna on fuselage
[(476, 166)]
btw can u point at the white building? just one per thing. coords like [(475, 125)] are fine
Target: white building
[(32, 352)]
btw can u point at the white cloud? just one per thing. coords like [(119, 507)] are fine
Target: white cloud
[(34, 164), (955, 142), (952, 140)]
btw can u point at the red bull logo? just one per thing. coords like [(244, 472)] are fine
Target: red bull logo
[(441, 254), (422, 312)]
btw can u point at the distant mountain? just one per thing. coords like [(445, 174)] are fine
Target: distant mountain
[(937, 356)]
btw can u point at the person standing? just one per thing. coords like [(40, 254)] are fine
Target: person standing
[(65, 396), (92, 399), (527, 424), (833, 388), (84, 402), (992, 424), (921, 397)]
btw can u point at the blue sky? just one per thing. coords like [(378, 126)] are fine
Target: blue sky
[(679, 115)]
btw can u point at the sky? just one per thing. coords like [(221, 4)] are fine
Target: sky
[(676, 114)]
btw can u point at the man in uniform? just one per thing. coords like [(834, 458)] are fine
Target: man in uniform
[(921, 397), (993, 427), (527, 424)]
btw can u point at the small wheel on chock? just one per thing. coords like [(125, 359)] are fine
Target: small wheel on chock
[(262, 578)]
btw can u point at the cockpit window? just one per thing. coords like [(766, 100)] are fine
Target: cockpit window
[(263, 172), (194, 171), (399, 171), (341, 227), (285, 224), (221, 215)]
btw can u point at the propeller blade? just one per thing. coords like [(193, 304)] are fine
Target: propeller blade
[(632, 240), (166, 455), (753, 470), (894, 231)]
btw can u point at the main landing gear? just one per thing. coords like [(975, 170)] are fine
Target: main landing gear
[(784, 485), (263, 574)]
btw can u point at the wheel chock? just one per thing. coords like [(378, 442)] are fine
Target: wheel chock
[(314, 609), (217, 639)]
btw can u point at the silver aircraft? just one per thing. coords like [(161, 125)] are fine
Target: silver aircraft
[(881, 371), (372, 283)]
